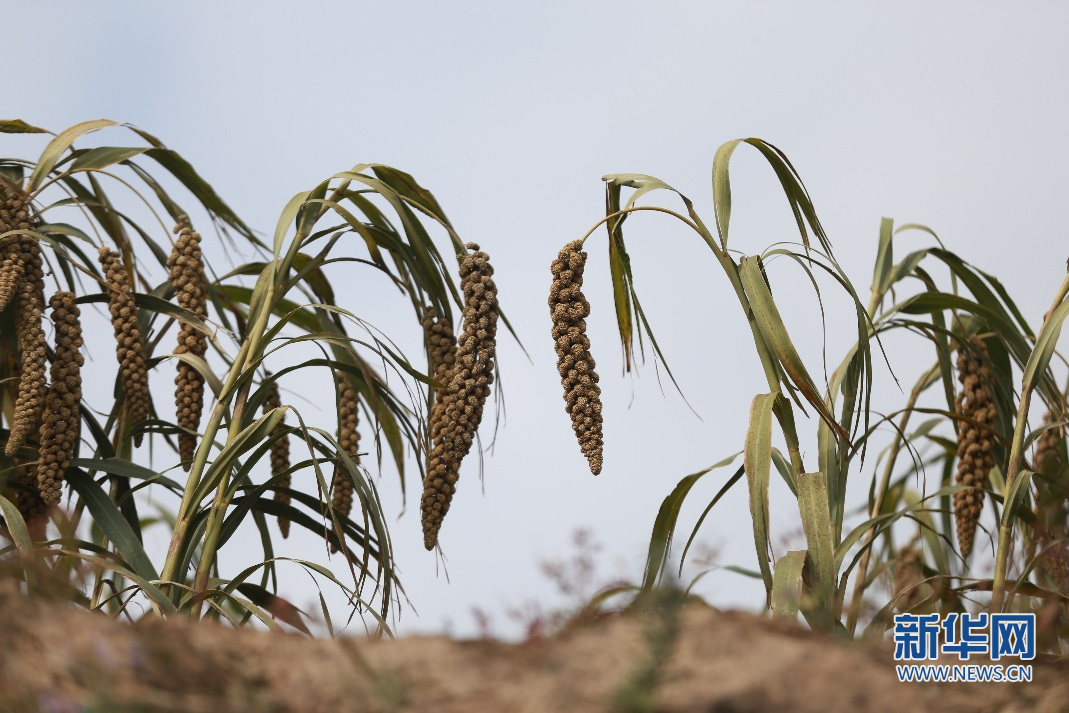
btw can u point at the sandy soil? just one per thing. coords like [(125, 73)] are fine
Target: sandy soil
[(688, 658)]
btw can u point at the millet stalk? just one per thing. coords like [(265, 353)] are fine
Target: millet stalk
[(246, 357), (1013, 473)]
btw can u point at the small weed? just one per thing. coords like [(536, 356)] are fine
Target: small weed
[(661, 611)]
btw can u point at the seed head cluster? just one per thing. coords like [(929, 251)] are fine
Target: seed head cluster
[(1055, 561), (441, 355), (569, 309), (187, 277), (908, 576), (976, 441), (28, 500), (280, 454), (441, 348), (1050, 505), (59, 431), (17, 252), (29, 304), (1047, 448), (14, 215), (349, 442), (460, 409), (10, 266), (129, 348)]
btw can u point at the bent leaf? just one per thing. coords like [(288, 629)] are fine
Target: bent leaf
[(758, 470)]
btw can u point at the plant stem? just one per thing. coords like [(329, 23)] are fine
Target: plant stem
[(1013, 472), (215, 517), (249, 348), (200, 459), (1005, 527)]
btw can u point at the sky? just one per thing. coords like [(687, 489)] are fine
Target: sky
[(951, 115)]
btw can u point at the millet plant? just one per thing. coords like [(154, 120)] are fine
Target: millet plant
[(990, 373), (92, 228)]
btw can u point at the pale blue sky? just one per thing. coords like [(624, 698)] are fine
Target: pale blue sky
[(952, 115)]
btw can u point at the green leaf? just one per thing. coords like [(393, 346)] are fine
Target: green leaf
[(730, 483), (1039, 359), (797, 197), (775, 335), (619, 268), (881, 280), (125, 469), (245, 440), (758, 470), (20, 535), (405, 184), (13, 172), (303, 318), (816, 523), (18, 126), (99, 158), (1017, 492), (58, 145), (665, 525), (787, 584), (722, 189), (907, 266), (107, 516), (188, 176)]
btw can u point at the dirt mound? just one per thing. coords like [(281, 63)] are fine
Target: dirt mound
[(691, 658)]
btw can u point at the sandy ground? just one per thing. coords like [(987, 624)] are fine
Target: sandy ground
[(687, 658)]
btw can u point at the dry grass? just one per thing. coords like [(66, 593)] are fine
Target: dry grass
[(706, 660)]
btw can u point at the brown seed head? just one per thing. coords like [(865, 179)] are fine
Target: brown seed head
[(441, 347), (280, 455), (14, 215), (1055, 562), (29, 304), (10, 269), (976, 442), (187, 277), (129, 347), (569, 309), (59, 431), (349, 442), (1050, 506), (913, 591), (1047, 459), (460, 408), (908, 576), (441, 355), (28, 501)]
